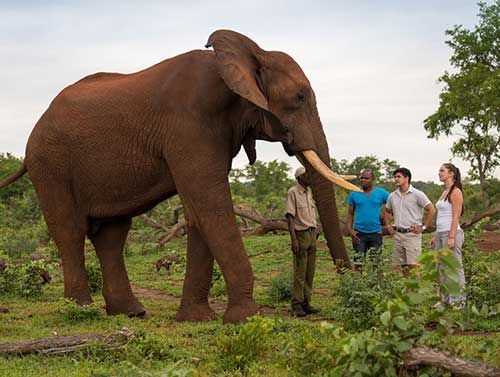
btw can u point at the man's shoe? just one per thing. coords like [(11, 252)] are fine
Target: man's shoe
[(308, 309), (297, 311)]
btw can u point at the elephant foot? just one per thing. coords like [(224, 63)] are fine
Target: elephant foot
[(80, 299), (237, 313), (195, 313), (131, 308)]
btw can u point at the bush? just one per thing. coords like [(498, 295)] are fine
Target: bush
[(281, 287), (218, 286), (247, 342), (148, 347), (17, 243), (72, 312), (25, 279), (359, 292), (94, 277)]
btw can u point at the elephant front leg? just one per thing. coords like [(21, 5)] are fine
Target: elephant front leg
[(108, 243), (209, 208), (200, 262)]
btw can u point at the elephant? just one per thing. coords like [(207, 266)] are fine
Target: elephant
[(112, 146)]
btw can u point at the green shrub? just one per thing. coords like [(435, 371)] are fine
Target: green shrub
[(24, 280), (246, 343), (72, 312), (94, 277), (218, 285), (359, 292), (281, 287), (17, 243)]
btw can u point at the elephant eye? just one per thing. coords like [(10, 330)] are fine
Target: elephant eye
[(301, 97)]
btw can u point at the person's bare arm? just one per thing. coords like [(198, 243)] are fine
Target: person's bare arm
[(350, 224), (430, 213), (387, 220), (457, 200)]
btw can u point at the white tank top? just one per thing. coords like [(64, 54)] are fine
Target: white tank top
[(444, 216)]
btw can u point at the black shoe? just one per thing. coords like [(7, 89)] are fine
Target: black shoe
[(308, 309), (297, 311)]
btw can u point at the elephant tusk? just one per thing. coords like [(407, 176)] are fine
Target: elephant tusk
[(322, 169)]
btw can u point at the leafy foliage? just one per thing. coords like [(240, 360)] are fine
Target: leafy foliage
[(470, 100), (246, 343), (359, 292), (24, 280), (72, 312), (281, 287), (94, 277), (263, 185)]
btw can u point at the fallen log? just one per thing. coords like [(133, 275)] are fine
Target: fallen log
[(60, 345), (425, 356), (173, 232), (488, 213)]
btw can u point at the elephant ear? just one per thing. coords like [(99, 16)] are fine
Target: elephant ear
[(238, 63)]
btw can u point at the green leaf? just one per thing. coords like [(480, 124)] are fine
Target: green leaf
[(416, 298), (451, 287), (400, 323), (403, 346), (451, 261), (385, 317)]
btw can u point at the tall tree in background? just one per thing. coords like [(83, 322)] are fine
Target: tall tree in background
[(470, 101), (382, 169)]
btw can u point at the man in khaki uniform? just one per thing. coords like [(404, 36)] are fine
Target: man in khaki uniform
[(301, 219)]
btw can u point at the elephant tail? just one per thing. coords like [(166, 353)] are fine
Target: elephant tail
[(14, 177)]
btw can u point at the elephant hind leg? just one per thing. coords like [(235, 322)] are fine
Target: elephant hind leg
[(200, 262), (68, 231), (109, 241)]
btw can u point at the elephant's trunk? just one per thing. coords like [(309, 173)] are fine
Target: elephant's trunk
[(324, 197)]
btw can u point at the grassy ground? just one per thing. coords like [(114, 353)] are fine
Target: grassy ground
[(167, 347)]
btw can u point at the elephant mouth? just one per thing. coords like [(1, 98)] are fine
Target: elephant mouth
[(288, 149), (338, 179)]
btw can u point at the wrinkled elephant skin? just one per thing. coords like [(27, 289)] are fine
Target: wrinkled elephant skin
[(112, 146)]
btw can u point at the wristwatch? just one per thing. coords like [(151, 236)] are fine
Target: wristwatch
[(424, 227)]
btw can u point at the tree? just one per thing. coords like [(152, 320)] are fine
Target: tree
[(381, 169), (470, 101), (263, 186)]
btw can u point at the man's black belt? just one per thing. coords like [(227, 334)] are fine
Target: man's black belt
[(402, 230)]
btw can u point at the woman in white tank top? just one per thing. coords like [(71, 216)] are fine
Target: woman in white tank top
[(448, 232)]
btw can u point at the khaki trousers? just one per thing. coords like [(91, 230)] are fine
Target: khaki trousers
[(304, 265)]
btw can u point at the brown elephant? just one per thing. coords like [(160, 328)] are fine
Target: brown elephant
[(112, 146)]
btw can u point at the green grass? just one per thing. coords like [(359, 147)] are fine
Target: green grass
[(168, 347)]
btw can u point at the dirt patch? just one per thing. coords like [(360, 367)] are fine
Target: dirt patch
[(489, 242), (153, 294), (217, 305)]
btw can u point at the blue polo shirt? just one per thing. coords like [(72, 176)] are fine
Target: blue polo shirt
[(367, 209)]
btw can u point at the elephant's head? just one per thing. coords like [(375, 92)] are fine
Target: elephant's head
[(284, 110)]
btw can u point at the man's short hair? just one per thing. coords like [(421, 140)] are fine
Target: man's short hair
[(367, 170), (404, 172)]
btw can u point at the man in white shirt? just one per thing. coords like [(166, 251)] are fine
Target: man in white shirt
[(407, 205)]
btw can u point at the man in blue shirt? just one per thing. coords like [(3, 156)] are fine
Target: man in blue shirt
[(363, 216)]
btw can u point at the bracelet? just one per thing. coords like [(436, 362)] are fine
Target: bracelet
[(451, 238)]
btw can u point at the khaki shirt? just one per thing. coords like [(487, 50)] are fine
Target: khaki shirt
[(299, 204)]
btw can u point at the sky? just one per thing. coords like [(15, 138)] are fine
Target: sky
[(373, 65)]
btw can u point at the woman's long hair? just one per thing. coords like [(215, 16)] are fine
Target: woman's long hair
[(457, 181)]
